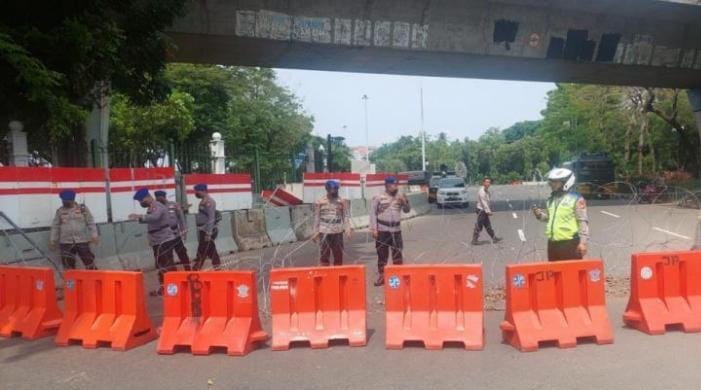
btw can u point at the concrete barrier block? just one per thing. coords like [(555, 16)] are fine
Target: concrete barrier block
[(278, 225), (133, 249), (359, 213), (249, 229), (303, 221), (225, 239), (106, 250)]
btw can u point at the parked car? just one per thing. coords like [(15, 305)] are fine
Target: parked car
[(452, 192)]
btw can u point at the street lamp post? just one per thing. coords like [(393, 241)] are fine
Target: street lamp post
[(367, 136)]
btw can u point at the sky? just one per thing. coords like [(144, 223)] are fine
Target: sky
[(459, 107)]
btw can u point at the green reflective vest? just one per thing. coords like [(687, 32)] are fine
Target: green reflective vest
[(562, 221)]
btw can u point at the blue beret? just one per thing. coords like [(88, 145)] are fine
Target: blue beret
[(141, 194), (159, 193), (390, 180), (332, 184), (200, 187), (67, 195)]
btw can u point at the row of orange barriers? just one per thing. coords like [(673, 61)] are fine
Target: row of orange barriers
[(561, 302)]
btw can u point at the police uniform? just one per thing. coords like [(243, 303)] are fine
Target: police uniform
[(178, 224), (73, 228), (331, 220), (567, 225), (160, 234), (385, 218), (206, 227)]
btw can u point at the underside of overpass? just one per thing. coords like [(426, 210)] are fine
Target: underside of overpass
[(622, 42)]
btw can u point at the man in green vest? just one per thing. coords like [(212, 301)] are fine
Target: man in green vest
[(567, 225)]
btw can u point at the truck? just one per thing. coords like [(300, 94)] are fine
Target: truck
[(595, 174)]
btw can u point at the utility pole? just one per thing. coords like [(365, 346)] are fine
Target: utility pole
[(423, 133), (329, 157), (367, 136)]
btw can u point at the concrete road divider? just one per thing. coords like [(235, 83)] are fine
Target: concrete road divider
[(249, 229), (28, 302), (359, 213), (302, 221), (278, 225), (665, 289), (225, 236)]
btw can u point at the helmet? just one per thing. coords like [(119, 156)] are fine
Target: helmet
[(563, 175)]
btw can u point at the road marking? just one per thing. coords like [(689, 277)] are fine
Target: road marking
[(670, 233), (521, 235), (515, 216), (610, 214)]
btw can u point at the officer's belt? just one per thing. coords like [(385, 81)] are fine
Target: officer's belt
[(333, 220), (389, 224), (159, 229)]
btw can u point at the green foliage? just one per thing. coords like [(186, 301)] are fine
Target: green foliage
[(53, 55), (578, 119)]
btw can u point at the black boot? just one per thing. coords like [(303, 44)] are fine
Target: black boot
[(380, 280)]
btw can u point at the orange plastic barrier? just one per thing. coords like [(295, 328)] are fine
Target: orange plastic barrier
[(105, 307), (665, 289), (205, 310), (557, 301), (434, 304), (28, 302), (318, 304)]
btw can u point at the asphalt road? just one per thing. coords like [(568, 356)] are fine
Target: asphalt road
[(634, 361)]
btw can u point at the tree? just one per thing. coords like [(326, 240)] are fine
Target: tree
[(57, 58)]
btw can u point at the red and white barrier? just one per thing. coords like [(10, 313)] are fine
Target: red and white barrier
[(375, 183), (314, 185), (29, 196), (280, 197), (125, 181), (230, 191)]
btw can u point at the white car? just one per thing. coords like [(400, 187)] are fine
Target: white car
[(452, 192)]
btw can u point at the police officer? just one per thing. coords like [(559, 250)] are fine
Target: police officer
[(484, 211), (331, 220), (179, 226), (567, 225), (385, 225), (160, 234), (73, 229), (206, 221)]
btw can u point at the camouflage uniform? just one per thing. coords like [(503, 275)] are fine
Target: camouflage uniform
[(179, 226), (206, 226), (331, 220), (161, 237), (385, 218), (73, 228)]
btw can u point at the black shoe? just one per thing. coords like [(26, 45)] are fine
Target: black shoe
[(496, 239), (380, 281), (475, 242)]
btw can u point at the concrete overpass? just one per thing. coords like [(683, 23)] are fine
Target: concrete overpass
[(626, 42)]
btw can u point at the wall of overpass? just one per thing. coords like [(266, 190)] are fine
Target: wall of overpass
[(625, 42)]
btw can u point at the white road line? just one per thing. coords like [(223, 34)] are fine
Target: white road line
[(515, 216), (610, 214), (670, 233), (521, 235)]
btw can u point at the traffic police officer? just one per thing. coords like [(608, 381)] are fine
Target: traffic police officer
[(206, 221), (179, 226), (160, 234), (73, 229), (385, 225), (331, 220), (567, 225)]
